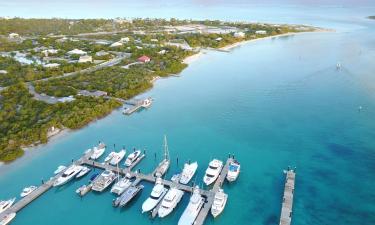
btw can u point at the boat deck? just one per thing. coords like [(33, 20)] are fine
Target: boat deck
[(287, 205)]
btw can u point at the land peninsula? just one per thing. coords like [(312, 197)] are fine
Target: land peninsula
[(64, 73)]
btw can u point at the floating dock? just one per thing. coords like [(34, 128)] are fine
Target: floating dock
[(139, 177), (287, 205), (136, 104)]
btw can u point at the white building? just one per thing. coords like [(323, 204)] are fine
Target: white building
[(51, 65), (77, 52), (219, 39), (125, 39), (14, 35), (101, 53), (162, 52), (66, 99), (50, 51), (116, 44), (3, 72), (239, 34), (260, 32), (154, 40), (85, 58)]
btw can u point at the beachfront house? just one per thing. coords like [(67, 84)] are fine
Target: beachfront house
[(262, 32), (144, 59), (85, 59), (239, 34), (77, 52)]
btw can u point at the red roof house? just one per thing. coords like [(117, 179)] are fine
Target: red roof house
[(144, 59)]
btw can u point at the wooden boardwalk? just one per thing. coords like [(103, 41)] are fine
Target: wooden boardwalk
[(287, 205)]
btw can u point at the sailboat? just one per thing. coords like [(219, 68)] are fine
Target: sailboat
[(164, 165)]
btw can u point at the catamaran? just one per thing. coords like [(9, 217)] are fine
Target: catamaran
[(188, 172), (122, 184), (164, 165), (68, 175), (233, 171), (27, 190), (157, 194), (98, 151), (5, 220), (128, 195), (103, 180), (170, 201), (218, 205), (132, 158), (213, 171), (4, 205), (117, 157), (85, 170), (192, 210)]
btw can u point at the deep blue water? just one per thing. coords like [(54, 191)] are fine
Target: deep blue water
[(272, 103)]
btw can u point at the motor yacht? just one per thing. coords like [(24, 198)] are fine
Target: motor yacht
[(84, 171), (27, 190), (127, 196), (192, 210), (97, 151), (233, 170), (170, 201), (132, 158), (4, 205), (102, 181), (117, 157), (68, 175), (123, 184), (213, 171), (5, 220), (157, 194), (188, 172), (220, 200)]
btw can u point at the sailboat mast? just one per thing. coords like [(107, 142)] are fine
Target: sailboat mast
[(166, 151)]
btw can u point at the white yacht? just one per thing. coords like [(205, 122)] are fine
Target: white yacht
[(170, 201), (4, 205), (85, 170), (5, 220), (233, 170), (218, 205), (192, 210), (117, 157), (146, 103), (188, 172), (123, 184), (68, 174), (132, 158), (97, 151), (156, 196), (109, 157), (59, 169), (27, 190), (213, 171), (102, 181)]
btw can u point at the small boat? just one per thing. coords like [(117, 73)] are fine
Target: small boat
[(132, 158), (84, 189), (119, 187), (170, 201), (102, 181), (5, 220), (59, 169), (117, 157), (85, 170), (218, 205), (97, 151), (68, 175), (192, 210), (338, 65), (109, 157), (127, 196), (188, 172), (176, 177), (27, 190), (146, 103), (233, 170), (4, 205), (157, 194), (213, 171)]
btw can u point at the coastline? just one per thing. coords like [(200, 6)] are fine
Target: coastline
[(188, 60)]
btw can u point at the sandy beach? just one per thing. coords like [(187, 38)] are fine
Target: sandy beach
[(192, 58)]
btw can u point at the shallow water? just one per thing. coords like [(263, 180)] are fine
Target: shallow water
[(272, 103)]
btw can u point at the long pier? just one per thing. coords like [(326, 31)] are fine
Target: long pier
[(287, 205), (139, 177)]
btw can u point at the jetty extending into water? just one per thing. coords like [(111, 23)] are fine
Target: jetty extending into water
[(287, 205), (136, 104), (139, 177)]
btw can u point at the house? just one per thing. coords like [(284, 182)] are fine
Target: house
[(101, 53), (14, 35), (144, 59), (218, 39), (67, 99), (260, 32), (85, 58), (138, 47), (116, 44), (3, 72), (124, 40), (162, 52), (51, 65), (77, 52), (239, 34), (154, 40), (50, 51)]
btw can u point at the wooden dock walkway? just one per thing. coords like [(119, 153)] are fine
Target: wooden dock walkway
[(287, 205)]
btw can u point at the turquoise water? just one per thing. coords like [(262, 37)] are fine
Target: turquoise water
[(272, 103)]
